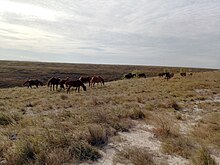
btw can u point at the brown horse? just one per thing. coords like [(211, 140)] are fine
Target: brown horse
[(85, 79), (76, 84), (97, 80), (54, 81), (63, 82), (33, 82)]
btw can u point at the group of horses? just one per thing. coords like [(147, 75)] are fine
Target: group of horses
[(131, 75), (168, 75), (55, 82)]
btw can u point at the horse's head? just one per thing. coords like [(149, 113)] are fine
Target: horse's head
[(40, 83), (84, 87)]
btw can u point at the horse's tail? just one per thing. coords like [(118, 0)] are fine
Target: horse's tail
[(102, 80), (49, 82), (26, 82)]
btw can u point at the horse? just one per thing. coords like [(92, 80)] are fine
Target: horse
[(183, 74), (97, 80), (54, 81), (168, 75), (77, 84), (142, 75), (130, 75), (62, 82), (33, 82), (161, 74), (85, 79)]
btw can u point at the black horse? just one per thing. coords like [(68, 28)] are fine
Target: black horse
[(33, 82), (168, 75), (77, 84), (53, 82), (130, 75), (142, 75)]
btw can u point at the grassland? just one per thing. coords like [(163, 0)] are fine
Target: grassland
[(39, 126), (14, 73)]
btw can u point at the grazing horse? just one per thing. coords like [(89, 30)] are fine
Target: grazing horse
[(130, 75), (33, 82), (76, 84), (97, 80), (53, 82), (62, 82), (161, 74), (85, 79), (183, 74), (142, 75), (168, 75)]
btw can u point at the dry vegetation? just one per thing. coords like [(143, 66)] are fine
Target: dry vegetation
[(39, 126)]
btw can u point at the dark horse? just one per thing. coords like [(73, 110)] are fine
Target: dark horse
[(140, 75), (97, 80), (64, 82), (85, 79), (130, 75), (76, 84), (161, 74), (33, 82), (168, 75), (183, 74), (53, 82)]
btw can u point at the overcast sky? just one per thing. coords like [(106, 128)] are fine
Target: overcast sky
[(145, 32)]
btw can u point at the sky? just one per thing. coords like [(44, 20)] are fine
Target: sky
[(138, 32)]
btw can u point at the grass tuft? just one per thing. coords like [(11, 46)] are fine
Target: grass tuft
[(97, 135), (203, 157), (136, 156), (84, 151)]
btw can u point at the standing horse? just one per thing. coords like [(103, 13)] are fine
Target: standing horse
[(33, 82), (76, 84), (142, 75), (62, 82), (168, 75), (97, 80), (53, 82), (183, 74), (85, 79)]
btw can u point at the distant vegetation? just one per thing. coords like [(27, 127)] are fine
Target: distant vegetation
[(14, 73)]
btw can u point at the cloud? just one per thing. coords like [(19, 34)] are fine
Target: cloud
[(158, 32)]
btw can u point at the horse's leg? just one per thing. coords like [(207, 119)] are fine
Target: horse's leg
[(68, 90)]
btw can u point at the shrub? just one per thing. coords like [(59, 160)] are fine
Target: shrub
[(97, 135)]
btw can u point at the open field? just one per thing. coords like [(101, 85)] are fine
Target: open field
[(136, 121), (14, 73)]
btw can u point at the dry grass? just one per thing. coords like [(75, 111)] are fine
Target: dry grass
[(203, 157), (51, 124), (136, 156)]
